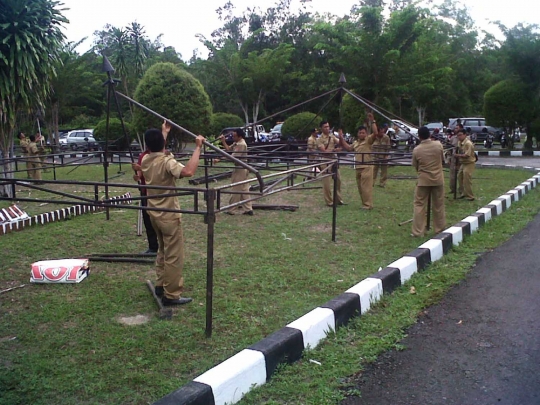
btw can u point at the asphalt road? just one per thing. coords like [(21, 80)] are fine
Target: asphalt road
[(479, 346)]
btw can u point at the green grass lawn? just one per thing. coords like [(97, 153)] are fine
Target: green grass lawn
[(68, 344)]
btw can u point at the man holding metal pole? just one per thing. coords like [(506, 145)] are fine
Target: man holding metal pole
[(363, 158), (24, 142), (381, 145), (428, 158), (328, 144), (239, 151), (160, 169), (467, 159)]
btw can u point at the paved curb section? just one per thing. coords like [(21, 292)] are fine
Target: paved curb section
[(60, 214), (229, 381)]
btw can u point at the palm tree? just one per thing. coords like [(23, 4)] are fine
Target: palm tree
[(31, 43)]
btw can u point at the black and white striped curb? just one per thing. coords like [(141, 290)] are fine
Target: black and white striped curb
[(229, 381), (60, 214), (508, 153)]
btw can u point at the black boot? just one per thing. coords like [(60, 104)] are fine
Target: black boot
[(180, 301)]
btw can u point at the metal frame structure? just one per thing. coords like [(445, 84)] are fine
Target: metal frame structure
[(265, 185)]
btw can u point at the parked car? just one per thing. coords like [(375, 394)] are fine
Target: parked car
[(436, 125), (81, 139), (477, 128), (275, 133), (405, 130)]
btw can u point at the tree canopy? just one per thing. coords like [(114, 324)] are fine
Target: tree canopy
[(422, 64), (31, 44), (175, 94)]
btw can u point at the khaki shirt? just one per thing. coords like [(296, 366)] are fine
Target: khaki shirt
[(381, 144), (239, 149), (467, 148), (24, 145), (161, 170), (312, 144), (364, 147), (33, 149), (327, 143), (427, 160)]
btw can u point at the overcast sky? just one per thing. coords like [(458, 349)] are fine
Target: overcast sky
[(180, 20)]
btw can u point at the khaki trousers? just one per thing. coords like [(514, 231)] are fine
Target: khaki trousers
[(364, 182), (465, 180), (240, 175), (328, 191), (453, 174), (27, 164), (421, 197), (170, 256), (34, 167), (384, 173)]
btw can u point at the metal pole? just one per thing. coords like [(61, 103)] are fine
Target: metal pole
[(105, 161), (213, 147), (374, 108), (206, 183), (210, 221), (334, 205)]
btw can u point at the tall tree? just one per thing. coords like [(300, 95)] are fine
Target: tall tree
[(521, 52), (128, 49), (249, 76), (77, 90), (31, 43)]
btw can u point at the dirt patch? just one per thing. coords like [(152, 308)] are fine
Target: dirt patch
[(133, 320)]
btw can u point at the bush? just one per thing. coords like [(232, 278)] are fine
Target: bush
[(224, 120), (300, 125), (507, 103), (175, 94), (115, 130)]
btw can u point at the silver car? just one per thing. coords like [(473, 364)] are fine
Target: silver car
[(80, 139)]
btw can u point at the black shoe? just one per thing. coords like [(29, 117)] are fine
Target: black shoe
[(159, 290), (248, 213), (150, 252), (180, 301)]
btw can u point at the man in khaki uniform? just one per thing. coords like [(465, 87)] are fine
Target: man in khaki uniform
[(312, 152), (34, 163), (381, 145), (467, 159), (160, 169), (328, 144), (24, 142), (452, 160), (239, 151), (428, 159), (312, 146), (40, 141), (364, 169)]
